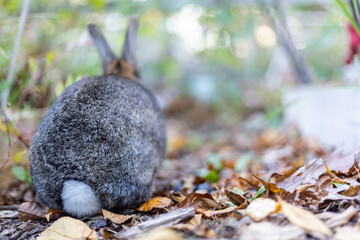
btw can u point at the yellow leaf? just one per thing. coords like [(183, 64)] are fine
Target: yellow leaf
[(50, 56), (19, 156), (116, 218), (67, 228), (270, 186), (156, 202), (304, 219), (260, 208)]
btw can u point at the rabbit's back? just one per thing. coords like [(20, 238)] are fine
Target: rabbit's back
[(107, 132)]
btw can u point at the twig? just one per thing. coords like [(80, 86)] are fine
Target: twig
[(165, 220), (301, 67), (10, 76), (10, 207)]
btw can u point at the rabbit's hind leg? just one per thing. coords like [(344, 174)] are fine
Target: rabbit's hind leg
[(79, 199)]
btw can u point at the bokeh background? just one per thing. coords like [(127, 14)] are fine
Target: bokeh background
[(213, 51)]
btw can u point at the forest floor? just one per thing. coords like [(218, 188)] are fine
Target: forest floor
[(219, 180)]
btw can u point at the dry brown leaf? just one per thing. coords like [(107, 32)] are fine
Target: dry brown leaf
[(335, 178), (237, 198), (348, 233), (351, 191), (107, 234), (31, 211), (341, 163), (160, 234), (235, 182), (290, 170), (304, 219), (270, 186), (342, 218), (308, 174), (198, 200), (116, 218), (156, 202), (67, 228), (260, 208), (177, 197), (196, 220)]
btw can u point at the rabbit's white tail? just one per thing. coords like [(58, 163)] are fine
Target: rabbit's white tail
[(79, 199)]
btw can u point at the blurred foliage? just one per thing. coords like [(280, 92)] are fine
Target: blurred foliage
[(209, 50)]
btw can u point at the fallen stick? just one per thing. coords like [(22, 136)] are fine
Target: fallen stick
[(165, 220), (9, 207)]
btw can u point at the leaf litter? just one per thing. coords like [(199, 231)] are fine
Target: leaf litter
[(272, 187)]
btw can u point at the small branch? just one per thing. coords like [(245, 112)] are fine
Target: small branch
[(165, 220), (9, 207), (10, 76), (303, 73)]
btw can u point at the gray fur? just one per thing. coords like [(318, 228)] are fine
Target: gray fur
[(106, 131)]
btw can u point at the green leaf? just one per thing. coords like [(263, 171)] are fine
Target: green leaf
[(243, 161), (348, 14), (337, 184), (19, 156), (21, 174), (212, 176), (259, 192), (215, 160)]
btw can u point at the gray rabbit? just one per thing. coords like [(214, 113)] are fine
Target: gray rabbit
[(102, 141)]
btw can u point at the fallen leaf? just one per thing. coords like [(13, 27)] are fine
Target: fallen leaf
[(343, 163), (116, 218), (177, 197), (160, 234), (335, 178), (31, 211), (196, 227), (351, 191), (156, 202), (308, 174), (196, 220), (270, 186), (304, 219), (68, 228), (260, 208), (348, 233), (198, 200), (270, 231), (342, 218), (237, 198)]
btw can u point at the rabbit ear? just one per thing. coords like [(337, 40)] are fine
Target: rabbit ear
[(107, 56), (128, 53)]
